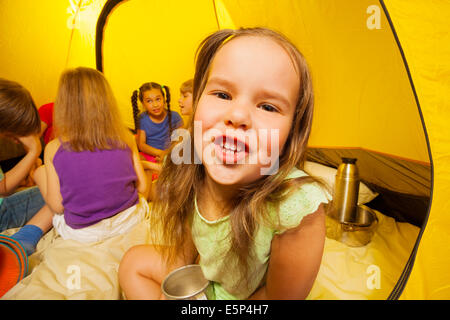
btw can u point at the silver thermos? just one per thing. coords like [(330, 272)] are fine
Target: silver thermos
[(346, 189)]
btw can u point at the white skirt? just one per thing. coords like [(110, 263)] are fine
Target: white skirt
[(106, 228)]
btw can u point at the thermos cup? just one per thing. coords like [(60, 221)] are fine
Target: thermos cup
[(346, 189)]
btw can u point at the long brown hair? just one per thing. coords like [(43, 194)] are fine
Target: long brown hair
[(178, 185), (86, 113), (18, 113)]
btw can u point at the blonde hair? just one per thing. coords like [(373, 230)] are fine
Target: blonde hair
[(86, 115), (187, 86), (178, 185)]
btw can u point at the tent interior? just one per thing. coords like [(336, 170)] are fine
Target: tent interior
[(365, 106)]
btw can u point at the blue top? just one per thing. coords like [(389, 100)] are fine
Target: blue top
[(157, 134)]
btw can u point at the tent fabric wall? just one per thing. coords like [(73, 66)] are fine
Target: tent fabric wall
[(360, 82), (154, 41), (424, 34), (359, 77), (37, 43)]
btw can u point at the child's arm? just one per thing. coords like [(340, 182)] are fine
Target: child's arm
[(142, 269), (295, 260), (142, 183), (147, 165), (28, 181), (150, 168), (144, 147), (44, 127), (13, 178), (52, 195)]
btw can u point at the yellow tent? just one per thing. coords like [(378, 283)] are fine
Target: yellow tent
[(380, 71)]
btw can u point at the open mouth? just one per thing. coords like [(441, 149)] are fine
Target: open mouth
[(230, 150)]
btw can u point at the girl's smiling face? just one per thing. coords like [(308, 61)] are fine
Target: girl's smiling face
[(153, 101), (252, 86)]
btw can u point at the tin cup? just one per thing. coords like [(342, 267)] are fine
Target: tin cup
[(356, 234), (185, 283)]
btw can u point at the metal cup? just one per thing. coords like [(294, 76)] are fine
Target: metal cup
[(360, 233), (357, 234), (185, 283)]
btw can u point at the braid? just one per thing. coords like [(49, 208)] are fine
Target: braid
[(134, 104), (166, 88)]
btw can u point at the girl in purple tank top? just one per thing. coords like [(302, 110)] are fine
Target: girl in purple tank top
[(92, 176)]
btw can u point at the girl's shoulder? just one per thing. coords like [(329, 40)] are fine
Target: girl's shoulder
[(143, 115), (177, 120), (52, 147), (296, 173), (300, 201), (174, 113), (145, 121)]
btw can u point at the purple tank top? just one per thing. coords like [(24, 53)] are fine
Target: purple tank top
[(95, 185)]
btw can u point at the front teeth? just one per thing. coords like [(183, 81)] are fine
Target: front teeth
[(230, 148)]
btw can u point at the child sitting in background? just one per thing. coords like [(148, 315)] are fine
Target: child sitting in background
[(255, 235), (185, 100), (92, 175), (156, 123), (185, 103), (19, 120)]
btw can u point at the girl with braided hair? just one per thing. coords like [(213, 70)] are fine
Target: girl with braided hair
[(155, 125)]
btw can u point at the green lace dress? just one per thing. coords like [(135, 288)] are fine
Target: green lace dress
[(212, 242)]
